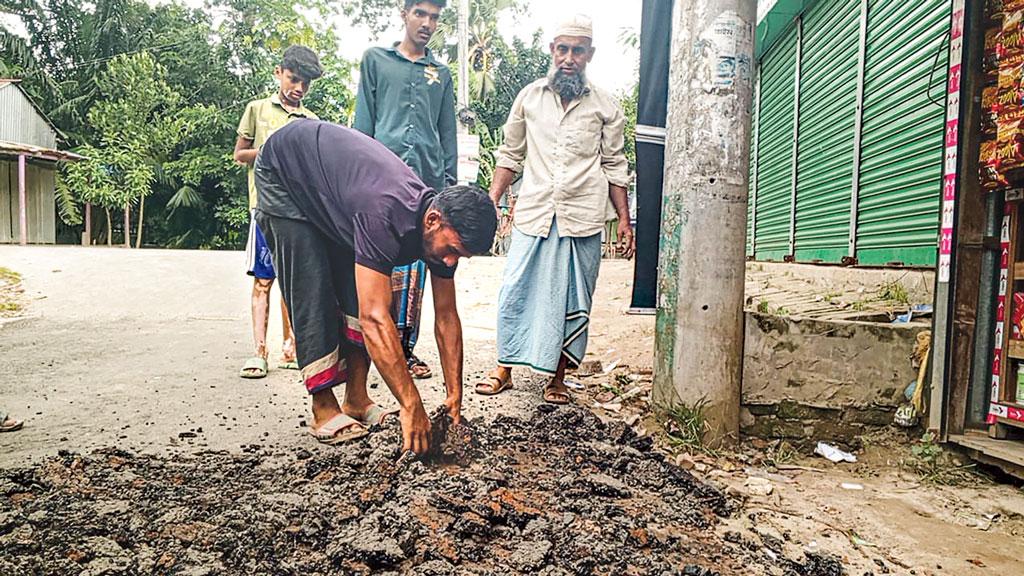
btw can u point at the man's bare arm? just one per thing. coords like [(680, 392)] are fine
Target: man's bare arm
[(245, 154), (500, 182), (448, 332), (620, 200), (381, 338)]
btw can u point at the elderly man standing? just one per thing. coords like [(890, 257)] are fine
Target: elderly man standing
[(565, 136)]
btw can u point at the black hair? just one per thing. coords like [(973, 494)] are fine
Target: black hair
[(438, 3), (302, 61), (468, 210)]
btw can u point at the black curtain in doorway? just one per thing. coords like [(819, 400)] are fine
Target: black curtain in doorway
[(655, 44)]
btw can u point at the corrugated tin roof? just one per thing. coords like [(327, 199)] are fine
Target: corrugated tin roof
[(17, 149)]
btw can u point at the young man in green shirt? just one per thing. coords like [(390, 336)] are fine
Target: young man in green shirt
[(406, 101), (299, 67)]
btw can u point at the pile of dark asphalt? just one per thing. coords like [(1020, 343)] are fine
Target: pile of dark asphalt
[(559, 492)]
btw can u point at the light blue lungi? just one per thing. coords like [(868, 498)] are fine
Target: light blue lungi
[(545, 299)]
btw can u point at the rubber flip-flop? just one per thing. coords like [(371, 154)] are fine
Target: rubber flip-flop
[(254, 367), (11, 425), (375, 415), (486, 386), (413, 363), (288, 365), (341, 428)]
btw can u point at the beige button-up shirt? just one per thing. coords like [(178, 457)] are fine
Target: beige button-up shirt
[(568, 157)]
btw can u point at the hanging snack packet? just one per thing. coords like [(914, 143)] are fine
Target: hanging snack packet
[(1017, 318)]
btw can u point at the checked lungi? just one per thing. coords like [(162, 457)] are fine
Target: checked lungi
[(407, 285)]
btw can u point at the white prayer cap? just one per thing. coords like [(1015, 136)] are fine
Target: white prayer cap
[(576, 25)]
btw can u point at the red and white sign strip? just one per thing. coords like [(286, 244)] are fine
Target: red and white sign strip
[(956, 50), (1003, 411), (1000, 365), (1004, 275)]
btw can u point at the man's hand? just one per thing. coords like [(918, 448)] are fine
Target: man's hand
[(627, 242), (620, 200), (415, 429), (504, 224), (500, 182)]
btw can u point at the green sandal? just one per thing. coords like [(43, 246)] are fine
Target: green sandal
[(254, 367)]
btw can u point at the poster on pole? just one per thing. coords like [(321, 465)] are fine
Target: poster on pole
[(469, 158)]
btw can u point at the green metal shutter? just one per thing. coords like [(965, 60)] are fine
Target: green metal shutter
[(752, 182), (775, 149), (902, 135), (828, 107)]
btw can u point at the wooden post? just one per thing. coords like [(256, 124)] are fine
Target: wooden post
[(87, 235), (22, 202), (127, 225), (698, 355)]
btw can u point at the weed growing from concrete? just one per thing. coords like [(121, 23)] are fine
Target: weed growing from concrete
[(893, 292), (685, 425)]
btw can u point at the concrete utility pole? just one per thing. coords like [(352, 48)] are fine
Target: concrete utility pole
[(463, 95), (699, 333)]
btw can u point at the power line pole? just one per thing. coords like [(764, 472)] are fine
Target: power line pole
[(468, 142), (463, 31), (699, 331)]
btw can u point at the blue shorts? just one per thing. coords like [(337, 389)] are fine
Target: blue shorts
[(258, 259)]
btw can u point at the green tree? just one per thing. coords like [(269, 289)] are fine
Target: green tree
[(139, 120), (216, 59), (628, 100), (514, 66), (484, 41)]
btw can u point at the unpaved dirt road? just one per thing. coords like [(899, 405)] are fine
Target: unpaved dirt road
[(145, 453)]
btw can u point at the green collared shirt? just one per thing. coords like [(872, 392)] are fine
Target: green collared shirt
[(410, 108), (260, 119)]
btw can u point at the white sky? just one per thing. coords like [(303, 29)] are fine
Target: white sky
[(614, 66)]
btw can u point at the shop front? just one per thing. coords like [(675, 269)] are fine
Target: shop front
[(978, 380)]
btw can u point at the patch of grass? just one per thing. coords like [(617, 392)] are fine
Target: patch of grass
[(782, 311), (685, 426), (781, 454), (612, 387), (893, 292), (763, 307), (9, 290), (859, 305), (830, 296), (937, 466)]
